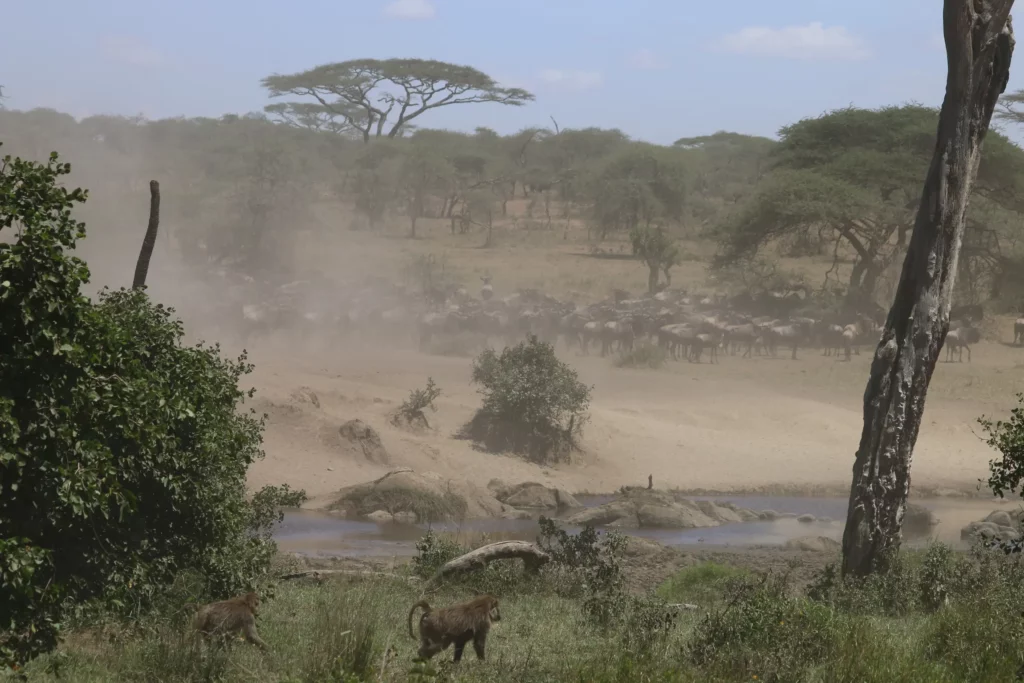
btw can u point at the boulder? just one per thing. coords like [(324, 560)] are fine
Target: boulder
[(306, 395), (380, 516), (814, 544), (723, 514), (673, 517), (768, 515), (532, 495), (989, 531), (428, 497), (1000, 518), (366, 438), (616, 512), (806, 519)]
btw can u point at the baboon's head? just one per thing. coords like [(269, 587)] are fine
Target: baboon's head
[(494, 611), (253, 601)]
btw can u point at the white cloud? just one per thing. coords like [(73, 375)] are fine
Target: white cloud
[(646, 59), (571, 80), (130, 50), (411, 9), (812, 41)]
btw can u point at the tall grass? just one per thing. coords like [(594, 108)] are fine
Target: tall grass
[(940, 616)]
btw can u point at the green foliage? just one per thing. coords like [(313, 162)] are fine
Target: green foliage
[(432, 552), (642, 186), (361, 94), (123, 457), (419, 400), (703, 583), (763, 632), (533, 402), (852, 179), (658, 251)]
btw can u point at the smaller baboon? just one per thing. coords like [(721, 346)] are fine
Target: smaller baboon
[(227, 617), (456, 624)]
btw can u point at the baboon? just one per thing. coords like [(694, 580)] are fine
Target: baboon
[(456, 624), (227, 617)]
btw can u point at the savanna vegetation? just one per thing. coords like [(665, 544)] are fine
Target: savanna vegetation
[(124, 451)]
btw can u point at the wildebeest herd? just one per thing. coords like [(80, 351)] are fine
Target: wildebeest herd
[(691, 327)]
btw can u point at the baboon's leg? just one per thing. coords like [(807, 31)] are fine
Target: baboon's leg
[(460, 645), (479, 641)]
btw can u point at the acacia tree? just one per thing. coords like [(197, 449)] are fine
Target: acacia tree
[(658, 251), (378, 98), (642, 186), (848, 180), (979, 46)]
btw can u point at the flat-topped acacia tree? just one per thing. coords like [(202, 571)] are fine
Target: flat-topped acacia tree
[(380, 97), (979, 46)]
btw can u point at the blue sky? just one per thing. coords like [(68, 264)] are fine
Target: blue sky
[(657, 69)]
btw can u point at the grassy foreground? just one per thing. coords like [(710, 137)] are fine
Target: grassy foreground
[(939, 616)]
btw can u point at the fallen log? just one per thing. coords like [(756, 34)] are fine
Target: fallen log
[(531, 555)]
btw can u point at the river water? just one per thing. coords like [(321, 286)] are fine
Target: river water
[(322, 534)]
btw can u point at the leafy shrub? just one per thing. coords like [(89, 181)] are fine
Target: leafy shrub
[(703, 583), (1007, 472), (411, 410), (645, 355), (123, 454), (432, 552), (587, 564), (533, 402), (761, 631)]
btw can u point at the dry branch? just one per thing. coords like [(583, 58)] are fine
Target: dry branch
[(531, 555), (149, 242)]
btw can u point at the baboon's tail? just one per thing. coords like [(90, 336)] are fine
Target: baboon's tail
[(426, 610)]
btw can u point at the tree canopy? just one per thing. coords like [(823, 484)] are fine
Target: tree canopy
[(377, 98), (848, 181)]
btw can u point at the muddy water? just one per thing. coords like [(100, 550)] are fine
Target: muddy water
[(322, 534)]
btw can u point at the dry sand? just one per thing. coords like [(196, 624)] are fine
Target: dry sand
[(742, 425)]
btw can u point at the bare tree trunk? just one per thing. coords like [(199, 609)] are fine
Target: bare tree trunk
[(149, 242), (979, 46)]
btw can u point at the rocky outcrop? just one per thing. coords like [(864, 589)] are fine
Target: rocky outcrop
[(534, 496), (1000, 525), (306, 395), (366, 439), (411, 497), (643, 508), (813, 544)]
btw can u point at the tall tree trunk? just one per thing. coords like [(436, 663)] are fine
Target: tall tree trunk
[(142, 265), (979, 46), (652, 278)]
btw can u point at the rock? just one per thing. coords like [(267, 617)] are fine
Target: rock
[(806, 519), (989, 531), (815, 544), (497, 487), (406, 517), (673, 517), (719, 513), (787, 515), (306, 395), (825, 520), (918, 520), (380, 516), (532, 495), (748, 515), (1000, 518), (609, 513), (428, 496), (366, 437), (768, 515)]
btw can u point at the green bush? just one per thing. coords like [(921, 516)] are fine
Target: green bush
[(533, 402), (412, 409), (123, 454), (703, 584)]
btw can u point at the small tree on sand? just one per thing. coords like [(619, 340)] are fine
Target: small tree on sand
[(533, 403), (411, 412), (658, 251), (1006, 474)]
